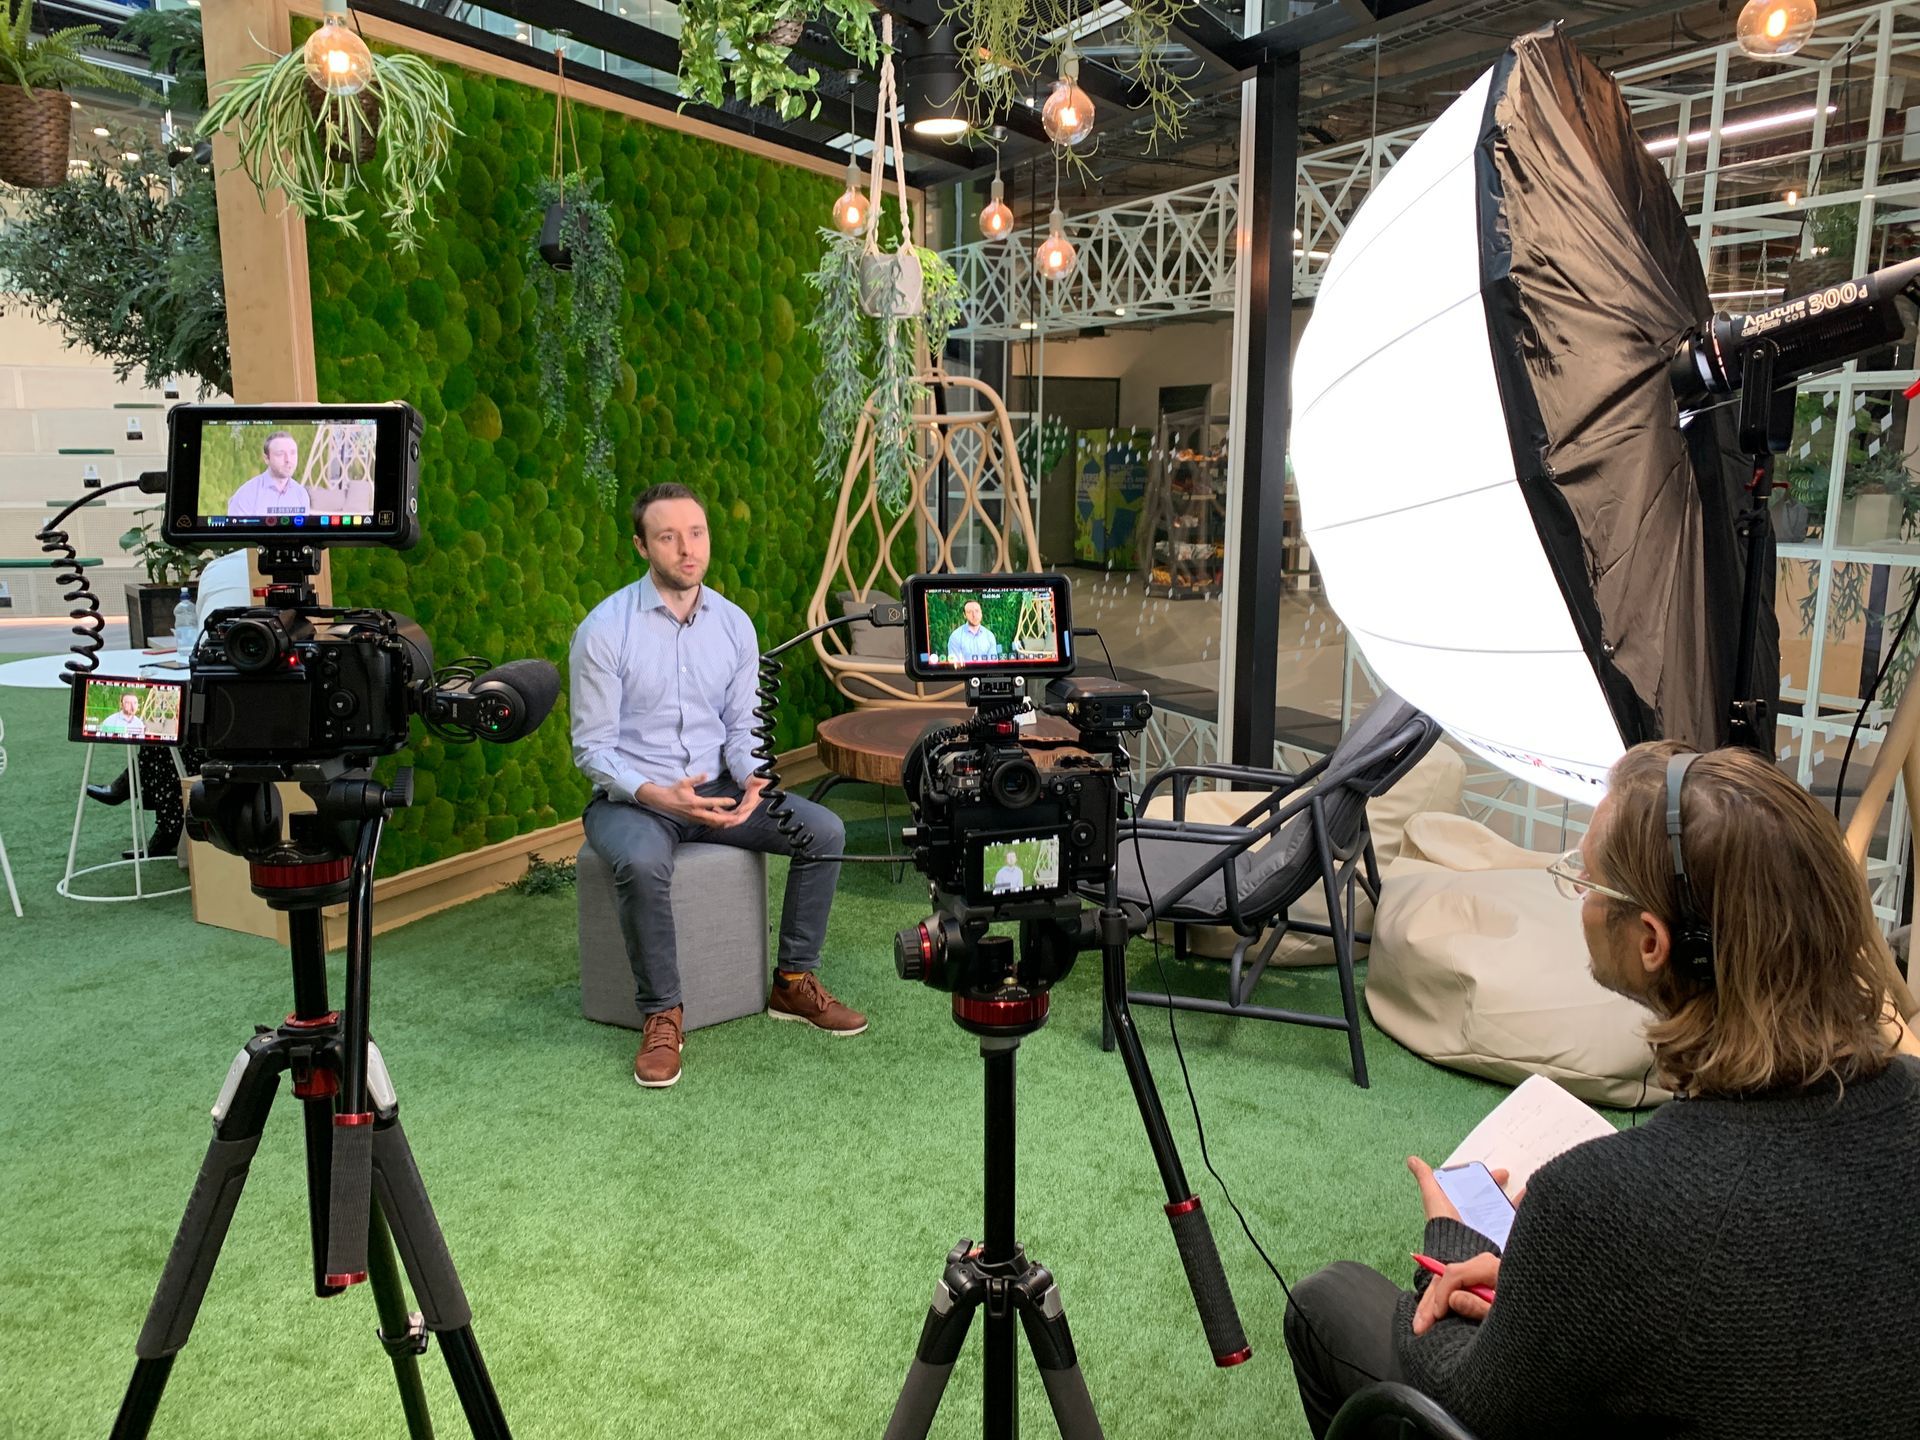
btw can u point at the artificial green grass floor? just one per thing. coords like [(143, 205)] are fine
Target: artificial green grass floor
[(748, 1254)]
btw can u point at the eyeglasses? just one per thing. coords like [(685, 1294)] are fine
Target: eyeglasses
[(1570, 877)]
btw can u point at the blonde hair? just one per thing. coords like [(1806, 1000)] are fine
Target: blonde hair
[(1803, 979)]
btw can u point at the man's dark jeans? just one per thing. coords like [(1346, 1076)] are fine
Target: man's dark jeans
[(1340, 1337), (638, 844)]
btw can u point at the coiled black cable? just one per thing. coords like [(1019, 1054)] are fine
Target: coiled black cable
[(88, 623), (767, 701)]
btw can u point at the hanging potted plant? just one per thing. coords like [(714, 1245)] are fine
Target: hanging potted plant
[(36, 118), (578, 277), (309, 124), (748, 42), (880, 309)]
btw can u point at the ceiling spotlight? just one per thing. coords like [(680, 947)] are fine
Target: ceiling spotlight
[(1771, 29), (129, 154), (1119, 309), (1028, 325), (74, 103), (337, 60), (930, 83), (1793, 197), (996, 219), (102, 131), (1056, 254), (1068, 113)]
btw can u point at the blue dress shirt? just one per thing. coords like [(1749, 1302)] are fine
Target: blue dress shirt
[(656, 700), (964, 645)]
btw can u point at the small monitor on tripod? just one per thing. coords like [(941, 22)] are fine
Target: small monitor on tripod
[(307, 475), (961, 626)]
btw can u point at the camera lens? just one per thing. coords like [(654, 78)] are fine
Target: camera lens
[(255, 644), (1016, 782)]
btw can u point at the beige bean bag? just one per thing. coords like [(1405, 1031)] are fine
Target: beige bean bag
[(1479, 964), (1435, 783)]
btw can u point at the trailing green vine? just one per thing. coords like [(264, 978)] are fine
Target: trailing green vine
[(1013, 48), (875, 362), (579, 314), (741, 42), (840, 330)]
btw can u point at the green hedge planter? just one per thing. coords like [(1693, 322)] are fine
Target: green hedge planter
[(716, 392)]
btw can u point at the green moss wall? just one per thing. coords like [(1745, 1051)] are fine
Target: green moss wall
[(514, 549)]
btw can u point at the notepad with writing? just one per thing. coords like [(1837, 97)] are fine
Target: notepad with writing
[(1538, 1121)]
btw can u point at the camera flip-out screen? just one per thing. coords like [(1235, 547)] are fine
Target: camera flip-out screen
[(111, 710), (1012, 865), (293, 474), (963, 625)]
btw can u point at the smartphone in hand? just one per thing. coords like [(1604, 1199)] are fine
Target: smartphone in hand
[(1482, 1204)]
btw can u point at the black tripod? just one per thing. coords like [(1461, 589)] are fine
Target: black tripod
[(997, 1275), (356, 1149)]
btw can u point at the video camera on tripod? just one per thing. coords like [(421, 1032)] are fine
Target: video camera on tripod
[(294, 691), (1013, 827)]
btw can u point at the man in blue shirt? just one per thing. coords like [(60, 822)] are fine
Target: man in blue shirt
[(972, 641), (663, 688)]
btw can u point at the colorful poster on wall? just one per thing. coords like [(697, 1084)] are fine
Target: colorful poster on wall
[(1128, 456), (1090, 496)]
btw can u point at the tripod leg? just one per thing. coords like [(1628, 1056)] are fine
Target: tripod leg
[(957, 1295), (1045, 1319), (436, 1285), (239, 1116), (402, 1334)]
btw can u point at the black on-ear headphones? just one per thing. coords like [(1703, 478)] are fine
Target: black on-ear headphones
[(1692, 935)]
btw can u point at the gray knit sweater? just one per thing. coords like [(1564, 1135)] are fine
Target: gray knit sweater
[(1738, 1268)]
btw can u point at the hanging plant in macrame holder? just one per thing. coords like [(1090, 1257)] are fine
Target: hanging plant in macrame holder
[(578, 277), (878, 310)]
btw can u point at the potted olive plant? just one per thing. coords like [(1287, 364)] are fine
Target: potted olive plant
[(36, 118), (318, 146), (150, 604)]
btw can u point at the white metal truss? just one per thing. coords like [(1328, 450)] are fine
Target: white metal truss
[(1154, 259)]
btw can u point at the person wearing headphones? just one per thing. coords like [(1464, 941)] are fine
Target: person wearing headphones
[(1747, 1262)]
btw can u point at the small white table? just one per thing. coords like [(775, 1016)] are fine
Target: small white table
[(43, 672)]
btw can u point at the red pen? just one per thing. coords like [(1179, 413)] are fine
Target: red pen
[(1434, 1267)]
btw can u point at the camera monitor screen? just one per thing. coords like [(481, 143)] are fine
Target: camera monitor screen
[(1014, 866), (962, 625), (126, 712), (298, 474)]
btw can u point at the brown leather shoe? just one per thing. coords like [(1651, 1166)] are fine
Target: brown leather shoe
[(658, 1063), (805, 998)]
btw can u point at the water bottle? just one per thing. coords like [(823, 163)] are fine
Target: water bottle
[(186, 620)]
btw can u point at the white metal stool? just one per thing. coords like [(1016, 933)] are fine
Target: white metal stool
[(6, 869), (140, 856)]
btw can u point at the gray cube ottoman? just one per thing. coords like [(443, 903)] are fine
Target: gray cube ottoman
[(720, 920)]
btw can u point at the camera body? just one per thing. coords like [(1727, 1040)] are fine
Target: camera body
[(986, 804), (299, 684), (1008, 827)]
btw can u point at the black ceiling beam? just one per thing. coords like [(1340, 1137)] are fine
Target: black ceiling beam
[(1207, 35)]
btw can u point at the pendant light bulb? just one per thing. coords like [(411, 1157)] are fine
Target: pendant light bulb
[(1068, 113), (850, 210), (1056, 254), (337, 60), (996, 220), (1773, 29)]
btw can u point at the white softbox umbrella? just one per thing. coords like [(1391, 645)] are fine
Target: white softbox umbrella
[(1508, 514)]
